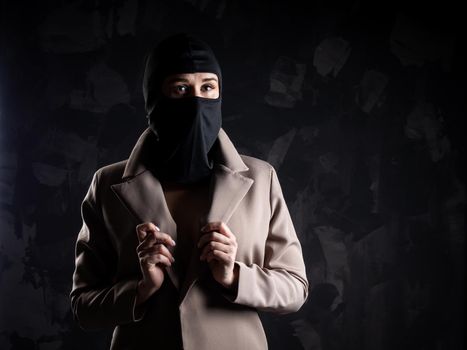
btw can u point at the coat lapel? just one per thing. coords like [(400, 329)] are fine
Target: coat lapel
[(144, 198), (142, 194), (226, 191)]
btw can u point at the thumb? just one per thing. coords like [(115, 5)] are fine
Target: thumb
[(144, 229), (141, 235)]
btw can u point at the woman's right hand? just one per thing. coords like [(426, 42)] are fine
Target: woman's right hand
[(153, 258)]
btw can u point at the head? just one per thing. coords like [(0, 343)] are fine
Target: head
[(182, 88), (181, 66)]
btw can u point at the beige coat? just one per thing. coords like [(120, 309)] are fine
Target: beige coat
[(197, 313)]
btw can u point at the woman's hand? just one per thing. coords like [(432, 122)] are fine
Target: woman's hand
[(219, 249), (153, 258)]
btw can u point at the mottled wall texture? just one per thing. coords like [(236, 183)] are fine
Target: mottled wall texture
[(360, 106)]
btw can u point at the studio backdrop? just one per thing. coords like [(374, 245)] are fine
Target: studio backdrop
[(358, 105)]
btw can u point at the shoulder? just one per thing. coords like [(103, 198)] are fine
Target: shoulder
[(263, 172), (256, 164), (258, 168), (111, 173)]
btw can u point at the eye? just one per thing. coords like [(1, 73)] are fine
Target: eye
[(180, 89), (208, 87)]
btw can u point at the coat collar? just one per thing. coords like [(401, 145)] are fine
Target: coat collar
[(229, 156), (142, 195)]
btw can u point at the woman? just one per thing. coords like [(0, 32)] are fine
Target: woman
[(183, 242)]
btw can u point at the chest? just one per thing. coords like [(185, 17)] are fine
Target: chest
[(187, 206)]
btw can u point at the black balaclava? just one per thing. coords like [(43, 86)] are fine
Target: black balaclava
[(186, 128)]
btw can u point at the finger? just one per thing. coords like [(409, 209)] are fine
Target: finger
[(164, 238), (219, 226), (156, 249), (143, 229), (148, 241), (212, 236), (156, 259), (211, 226), (220, 256), (216, 246), (156, 237)]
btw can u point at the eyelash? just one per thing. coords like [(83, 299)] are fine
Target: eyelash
[(177, 87)]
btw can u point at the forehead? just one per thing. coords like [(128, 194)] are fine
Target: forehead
[(192, 76)]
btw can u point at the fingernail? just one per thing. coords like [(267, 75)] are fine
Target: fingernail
[(157, 228), (173, 242)]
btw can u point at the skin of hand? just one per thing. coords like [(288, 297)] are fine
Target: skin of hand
[(153, 258), (219, 249)]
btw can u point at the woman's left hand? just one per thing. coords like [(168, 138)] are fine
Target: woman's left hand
[(219, 250)]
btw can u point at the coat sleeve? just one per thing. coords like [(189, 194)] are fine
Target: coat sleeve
[(280, 285), (96, 300)]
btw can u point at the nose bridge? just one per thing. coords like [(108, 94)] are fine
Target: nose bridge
[(197, 84), (197, 89)]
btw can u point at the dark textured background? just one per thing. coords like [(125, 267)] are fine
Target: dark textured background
[(360, 106)]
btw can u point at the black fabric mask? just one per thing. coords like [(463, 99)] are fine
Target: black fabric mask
[(186, 128)]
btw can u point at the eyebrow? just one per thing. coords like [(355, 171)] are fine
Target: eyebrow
[(175, 80)]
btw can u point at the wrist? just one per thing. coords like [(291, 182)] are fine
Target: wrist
[(144, 291), (232, 282)]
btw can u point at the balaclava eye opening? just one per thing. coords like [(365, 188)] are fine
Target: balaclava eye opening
[(186, 128)]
